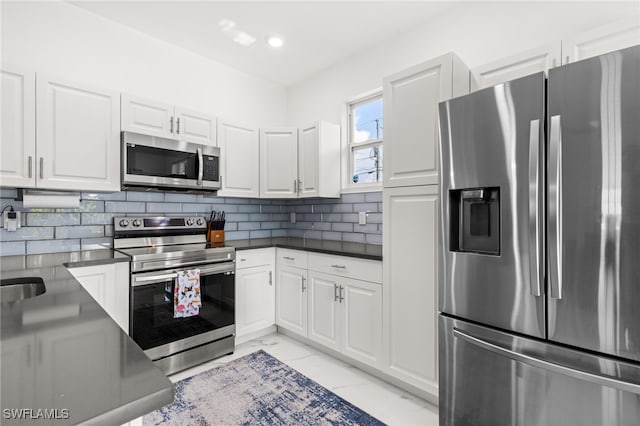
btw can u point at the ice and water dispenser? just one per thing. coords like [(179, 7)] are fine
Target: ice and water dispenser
[(475, 220)]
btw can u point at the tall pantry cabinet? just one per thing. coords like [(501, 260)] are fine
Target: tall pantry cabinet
[(411, 217)]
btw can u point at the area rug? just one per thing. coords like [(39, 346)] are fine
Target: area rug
[(256, 389)]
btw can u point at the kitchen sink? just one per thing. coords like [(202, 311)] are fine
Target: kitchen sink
[(14, 289)]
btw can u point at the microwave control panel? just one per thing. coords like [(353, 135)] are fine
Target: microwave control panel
[(210, 170)]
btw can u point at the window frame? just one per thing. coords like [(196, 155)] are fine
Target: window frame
[(348, 146)]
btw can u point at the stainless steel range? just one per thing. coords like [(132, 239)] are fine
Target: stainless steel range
[(163, 251)]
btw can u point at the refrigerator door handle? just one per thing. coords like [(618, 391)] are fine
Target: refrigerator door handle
[(547, 365), (534, 208), (555, 207)]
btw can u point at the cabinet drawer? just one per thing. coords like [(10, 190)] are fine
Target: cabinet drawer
[(254, 257), (295, 258), (359, 269)]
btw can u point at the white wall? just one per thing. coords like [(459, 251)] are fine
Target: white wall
[(62, 39), (477, 32)]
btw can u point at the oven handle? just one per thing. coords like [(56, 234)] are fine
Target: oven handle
[(138, 280)]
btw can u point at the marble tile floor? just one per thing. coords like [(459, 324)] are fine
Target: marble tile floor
[(378, 398)]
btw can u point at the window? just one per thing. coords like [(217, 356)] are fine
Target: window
[(365, 141)]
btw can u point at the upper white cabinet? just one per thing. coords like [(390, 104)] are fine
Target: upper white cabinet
[(18, 118), (410, 252), (78, 136), (411, 100), (618, 35), (239, 160), (319, 160), (279, 162), (525, 63), (167, 121)]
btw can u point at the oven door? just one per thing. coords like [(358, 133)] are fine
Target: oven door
[(153, 325), (168, 163)]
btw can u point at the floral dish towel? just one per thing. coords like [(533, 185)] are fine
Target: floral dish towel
[(186, 294)]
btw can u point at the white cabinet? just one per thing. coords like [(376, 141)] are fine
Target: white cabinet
[(18, 118), (279, 162), (291, 299), (319, 160), (615, 36), (239, 160), (160, 119), (361, 322), (411, 100), (411, 231), (325, 313), (109, 286), (255, 291), (525, 63)]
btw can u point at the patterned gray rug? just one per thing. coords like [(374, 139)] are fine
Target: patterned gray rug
[(256, 389)]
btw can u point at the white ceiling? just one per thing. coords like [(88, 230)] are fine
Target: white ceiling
[(317, 34)]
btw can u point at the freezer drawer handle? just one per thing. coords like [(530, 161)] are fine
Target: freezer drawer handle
[(550, 366), (534, 206)]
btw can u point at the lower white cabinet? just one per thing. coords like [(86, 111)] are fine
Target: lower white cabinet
[(255, 291), (109, 286), (291, 296), (325, 309)]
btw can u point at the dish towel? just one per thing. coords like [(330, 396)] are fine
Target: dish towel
[(186, 294)]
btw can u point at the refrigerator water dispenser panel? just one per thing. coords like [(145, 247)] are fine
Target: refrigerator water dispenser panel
[(475, 220)]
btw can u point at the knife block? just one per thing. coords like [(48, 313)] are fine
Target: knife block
[(215, 236)]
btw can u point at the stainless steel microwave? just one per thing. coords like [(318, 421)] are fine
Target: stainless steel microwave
[(150, 162)]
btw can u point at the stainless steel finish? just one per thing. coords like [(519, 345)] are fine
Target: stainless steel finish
[(555, 207), (200, 221), (171, 144), (190, 342), (123, 222), (200, 166), (30, 166), (476, 155), (341, 296), (304, 287), (178, 125), (171, 124), (184, 360), (339, 266), (157, 242), (150, 278), (14, 289), (41, 167), (535, 215), (529, 382), (141, 279), (550, 366), (475, 194), (187, 258), (335, 293), (137, 222), (598, 227)]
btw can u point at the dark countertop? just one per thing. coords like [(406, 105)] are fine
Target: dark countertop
[(61, 350), (340, 248)]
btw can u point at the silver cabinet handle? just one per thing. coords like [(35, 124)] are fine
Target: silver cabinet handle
[(534, 208), (335, 293), (41, 167), (200, 166), (547, 365), (341, 296), (299, 185), (339, 266), (304, 287), (30, 166), (171, 124), (178, 125), (289, 258), (242, 260), (555, 207), (295, 186), (270, 277)]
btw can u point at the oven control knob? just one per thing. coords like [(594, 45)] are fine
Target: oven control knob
[(189, 221), (137, 222), (124, 223), (200, 222)]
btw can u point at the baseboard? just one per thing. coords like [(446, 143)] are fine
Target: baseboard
[(255, 334), (364, 367)]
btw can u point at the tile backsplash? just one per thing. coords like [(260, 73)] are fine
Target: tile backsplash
[(91, 226)]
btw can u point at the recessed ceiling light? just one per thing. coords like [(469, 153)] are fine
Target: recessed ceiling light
[(275, 41)]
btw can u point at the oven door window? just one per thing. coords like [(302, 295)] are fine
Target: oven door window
[(160, 162), (153, 322)]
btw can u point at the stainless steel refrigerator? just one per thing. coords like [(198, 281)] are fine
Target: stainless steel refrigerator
[(539, 288)]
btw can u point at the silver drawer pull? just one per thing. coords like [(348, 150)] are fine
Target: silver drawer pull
[(339, 266), (289, 258), (242, 260)]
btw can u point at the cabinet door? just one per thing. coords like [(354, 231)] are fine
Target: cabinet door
[(291, 292), (196, 127), (308, 161), (619, 35), (239, 158), (147, 117), (529, 62), (18, 118), (411, 100), (78, 133), (362, 320), (279, 163), (255, 306), (324, 309), (18, 371), (409, 284)]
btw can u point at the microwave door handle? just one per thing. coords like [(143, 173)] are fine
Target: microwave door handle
[(200, 166)]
